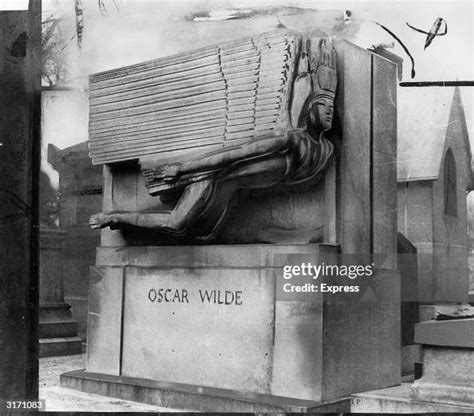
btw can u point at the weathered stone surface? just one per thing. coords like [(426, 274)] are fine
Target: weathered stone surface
[(396, 400), (263, 345), (235, 346), (54, 347), (208, 327), (384, 159), (353, 359), (57, 327), (448, 376), (448, 367), (410, 355), (449, 333), (353, 103), (188, 397), (239, 256), (105, 320)]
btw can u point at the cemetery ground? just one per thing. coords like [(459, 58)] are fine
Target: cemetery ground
[(60, 399)]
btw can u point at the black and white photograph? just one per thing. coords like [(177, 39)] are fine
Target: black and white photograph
[(236, 206)]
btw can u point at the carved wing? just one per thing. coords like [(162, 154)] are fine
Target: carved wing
[(206, 99)]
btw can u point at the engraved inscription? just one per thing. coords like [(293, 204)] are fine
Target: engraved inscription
[(212, 296)]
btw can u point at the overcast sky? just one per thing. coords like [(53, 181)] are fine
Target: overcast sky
[(147, 29)]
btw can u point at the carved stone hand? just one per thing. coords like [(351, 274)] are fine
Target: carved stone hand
[(169, 173)]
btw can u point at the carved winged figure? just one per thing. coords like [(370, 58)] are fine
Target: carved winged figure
[(271, 159)]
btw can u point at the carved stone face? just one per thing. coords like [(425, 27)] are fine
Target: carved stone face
[(321, 113)]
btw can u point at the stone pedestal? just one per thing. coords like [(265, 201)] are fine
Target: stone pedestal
[(448, 374), (209, 318), (57, 328), (448, 365)]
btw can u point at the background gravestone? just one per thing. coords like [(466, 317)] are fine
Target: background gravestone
[(80, 190)]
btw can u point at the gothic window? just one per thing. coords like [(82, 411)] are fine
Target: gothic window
[(450, 185)]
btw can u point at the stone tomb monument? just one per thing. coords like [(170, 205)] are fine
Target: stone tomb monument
[(219, 165)]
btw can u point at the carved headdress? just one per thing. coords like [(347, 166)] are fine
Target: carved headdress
[(323, 70), (322, 67)]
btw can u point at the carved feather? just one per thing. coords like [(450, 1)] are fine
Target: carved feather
[(217, 95)]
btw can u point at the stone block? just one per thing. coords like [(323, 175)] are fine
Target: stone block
[(298, 351), (295, 218), (198, 398), (208, 316), (56, 321), (448, 367), (211, 327), (353, 358), (353, 104), (53, 347), (448, 376), (57, 327), (449, 333), (384, 159), (105, 320)]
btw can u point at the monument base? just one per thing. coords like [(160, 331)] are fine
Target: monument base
[(448, 374), (448, 367), (190, 397), (214, 316)]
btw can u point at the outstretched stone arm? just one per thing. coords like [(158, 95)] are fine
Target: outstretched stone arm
[(191, 203), (278, 141)]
